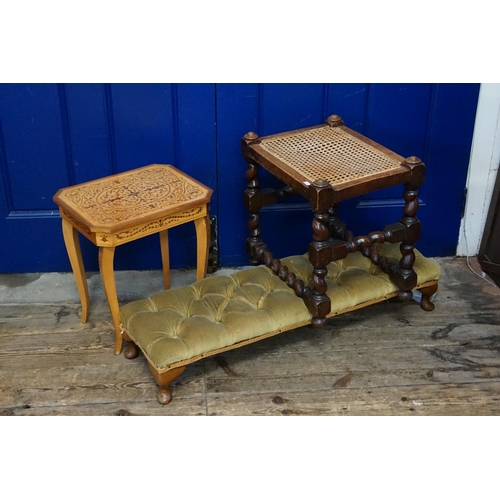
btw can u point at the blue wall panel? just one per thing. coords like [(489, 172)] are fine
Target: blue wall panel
[(89, 132), (292, 105), (34, 145), (349, 100), (237, 113), (52, 136), (447, 158), (55, 135), (397, 116), (143, 123)]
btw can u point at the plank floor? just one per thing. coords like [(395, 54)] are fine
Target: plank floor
[(388, 359)]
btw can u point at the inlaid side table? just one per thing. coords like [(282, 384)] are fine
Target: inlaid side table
[(327, 164), (120, 208)]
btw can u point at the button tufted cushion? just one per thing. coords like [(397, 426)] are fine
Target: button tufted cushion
[(216, 312)]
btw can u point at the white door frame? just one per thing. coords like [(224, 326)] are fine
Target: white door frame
[(483, 167)]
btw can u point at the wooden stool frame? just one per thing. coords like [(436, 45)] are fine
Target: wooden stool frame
[(331, 240)]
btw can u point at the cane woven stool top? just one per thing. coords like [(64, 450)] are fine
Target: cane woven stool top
[(351, 163)]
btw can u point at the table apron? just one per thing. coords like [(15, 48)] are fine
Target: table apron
[(106, 239)]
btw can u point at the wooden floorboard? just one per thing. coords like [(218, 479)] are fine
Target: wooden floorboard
[(388, 359)]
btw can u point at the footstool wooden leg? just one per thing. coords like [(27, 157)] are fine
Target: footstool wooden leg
[(132, 351), (202, 227), (70, 235), (164, 380), (427, 293), (165, 258), (106, 256)]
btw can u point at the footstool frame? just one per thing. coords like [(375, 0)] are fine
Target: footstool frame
[(134, 314), (164, 378)]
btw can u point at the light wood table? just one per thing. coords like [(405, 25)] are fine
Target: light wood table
[(120, 208)]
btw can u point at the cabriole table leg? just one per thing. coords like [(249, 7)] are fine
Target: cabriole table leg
[(106, 256), (202, 226), (70, 235), (165, 258)]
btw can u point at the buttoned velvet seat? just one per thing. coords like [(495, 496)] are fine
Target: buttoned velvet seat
[(181, 325)]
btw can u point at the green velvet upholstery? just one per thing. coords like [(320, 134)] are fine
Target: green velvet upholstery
[(219, 311)]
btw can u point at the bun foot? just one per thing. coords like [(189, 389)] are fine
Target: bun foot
[(318, 322), (405, 295), (164, 396), (164, 380), (426, 304), (132, 351)]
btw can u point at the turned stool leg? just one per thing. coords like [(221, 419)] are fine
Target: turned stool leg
[(319, 297), (338, 228), (255, 245), (406, 278), (408, 244), (164, 380), (320, 254)]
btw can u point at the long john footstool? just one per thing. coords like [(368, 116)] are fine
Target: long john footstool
[(177, 327), (124, 207)]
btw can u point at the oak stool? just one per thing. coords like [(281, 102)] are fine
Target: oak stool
[(120, 208), (327, 164)]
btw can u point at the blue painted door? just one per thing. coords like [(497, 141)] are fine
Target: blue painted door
[(52, 136), (55, 135)]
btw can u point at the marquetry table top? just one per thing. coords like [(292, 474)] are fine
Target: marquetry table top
[(137, 196)]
